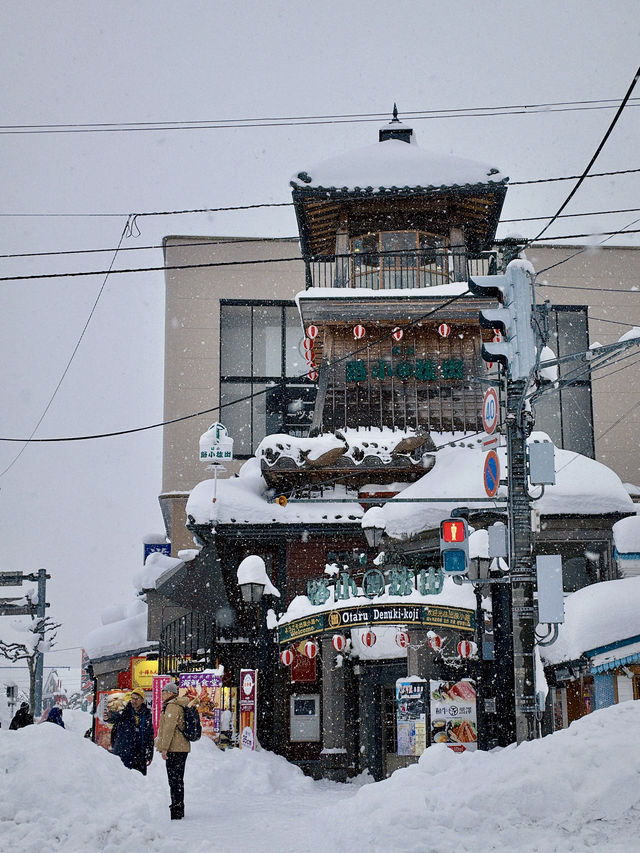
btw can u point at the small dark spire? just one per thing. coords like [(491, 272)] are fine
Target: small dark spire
[(395, 129)]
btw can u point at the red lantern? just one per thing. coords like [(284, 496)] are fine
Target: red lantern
[(312, 332), (286, 657), (309, 355), (368, 639), (339, 641), (310, 649), (435, 642), (307, 344), (359, 332), (467, 648), (444, 330), (397, 334), (313, 375), (497, 336), (402, 639)]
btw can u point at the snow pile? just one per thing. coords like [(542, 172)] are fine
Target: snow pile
[(245, 499), (626, 535), (394, 164), (154, 567), (124, 630), (583, 487), (253, 570), (574, 790), (595, 616)]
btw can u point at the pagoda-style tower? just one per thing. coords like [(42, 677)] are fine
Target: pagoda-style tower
[(390, 234)]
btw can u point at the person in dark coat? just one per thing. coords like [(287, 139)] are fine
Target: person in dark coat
[(23, 717), (55, 716), (132, 733)]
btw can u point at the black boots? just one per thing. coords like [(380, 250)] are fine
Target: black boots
[(177, 811)]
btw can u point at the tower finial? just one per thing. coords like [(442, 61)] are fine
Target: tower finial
[(395, 112)]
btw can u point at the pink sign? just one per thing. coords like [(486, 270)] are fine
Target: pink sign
[(159, 682), (248, 708), (205, 687)]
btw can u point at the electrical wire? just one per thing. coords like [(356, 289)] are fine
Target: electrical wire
[(601, 145), (68, 364), (290, 203), (301, 121), (295, 237), (247, 397)]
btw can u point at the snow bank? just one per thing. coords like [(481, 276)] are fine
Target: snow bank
[(574, 790)]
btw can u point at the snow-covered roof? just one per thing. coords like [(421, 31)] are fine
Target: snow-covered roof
[(156, 565), (245, 500), (583, 487), (596, 616), (394, 164), (402, 295), (626, 535), (127, 634)]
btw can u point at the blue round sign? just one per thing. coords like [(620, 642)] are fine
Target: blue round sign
[(491, 473)]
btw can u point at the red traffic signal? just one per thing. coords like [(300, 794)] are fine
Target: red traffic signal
[(453, 530)]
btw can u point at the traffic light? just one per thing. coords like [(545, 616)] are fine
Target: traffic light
[(454, 546), (518, 351)]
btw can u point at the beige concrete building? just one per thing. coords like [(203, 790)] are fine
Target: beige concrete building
[(214, 276)]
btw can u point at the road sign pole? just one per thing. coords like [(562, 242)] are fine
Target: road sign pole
[(520, 566)]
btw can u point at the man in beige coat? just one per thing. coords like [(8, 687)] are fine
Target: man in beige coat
[(173, 745)]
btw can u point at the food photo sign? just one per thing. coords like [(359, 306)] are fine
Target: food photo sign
[(453, 714), (411, 716)]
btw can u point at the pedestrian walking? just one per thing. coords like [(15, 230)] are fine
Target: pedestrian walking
[(132, 733), (23, 717), (173, 745)]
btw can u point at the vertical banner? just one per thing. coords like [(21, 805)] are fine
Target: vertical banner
[(453, 714), (86, 683), (411, 716), (206, 687), (159, 682), (248, 708)]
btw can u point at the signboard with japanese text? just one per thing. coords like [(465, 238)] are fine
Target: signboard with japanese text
[(248, 708), (206, 687), (103, 726), (142, 672), (411, 716), (453, 714), (422, 615)]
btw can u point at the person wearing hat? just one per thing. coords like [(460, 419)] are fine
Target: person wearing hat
[(23, 717), (132, 733), (173, 745)]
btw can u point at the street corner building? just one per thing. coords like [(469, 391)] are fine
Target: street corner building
[(348, 367)]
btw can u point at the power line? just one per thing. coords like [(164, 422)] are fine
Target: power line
[(287, 203), (301, 121), (295, 237), (247, 397), (595, 155), (68, 364)]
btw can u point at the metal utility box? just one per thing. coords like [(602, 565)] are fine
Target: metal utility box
[(550, 591), (542, 467), (304, 717)]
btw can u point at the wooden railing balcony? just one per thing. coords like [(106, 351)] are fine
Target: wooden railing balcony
[(400, 270)]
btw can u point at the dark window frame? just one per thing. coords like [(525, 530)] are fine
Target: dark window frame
[(283, 381)]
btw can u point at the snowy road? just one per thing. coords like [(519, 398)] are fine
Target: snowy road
[(573, 791)]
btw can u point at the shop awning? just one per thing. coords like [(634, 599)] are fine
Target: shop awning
[(614, 658)]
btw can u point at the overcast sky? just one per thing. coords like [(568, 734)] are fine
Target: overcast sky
[(81, 509)]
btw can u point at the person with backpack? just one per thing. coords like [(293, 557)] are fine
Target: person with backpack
[(132, 733), (172, 744)]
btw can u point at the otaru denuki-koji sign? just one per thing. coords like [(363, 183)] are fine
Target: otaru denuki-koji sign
[(358, 616)]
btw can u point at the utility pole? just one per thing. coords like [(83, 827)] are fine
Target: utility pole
[(517, 353), (13, 607)]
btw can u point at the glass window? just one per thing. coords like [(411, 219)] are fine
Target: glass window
[(235, 340), (273, 335), (294, 354), (267, 340)]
